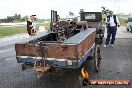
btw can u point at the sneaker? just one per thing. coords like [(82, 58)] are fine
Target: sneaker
[(105, 45), (112, 45)]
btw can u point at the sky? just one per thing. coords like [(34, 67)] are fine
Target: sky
[(42, 8)]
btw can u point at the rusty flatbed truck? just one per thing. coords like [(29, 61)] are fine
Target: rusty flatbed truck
[(65, 45)]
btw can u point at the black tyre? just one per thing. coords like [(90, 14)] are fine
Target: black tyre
[(127, 29), (23, 66), (97, 58), (99, 40), (131, 29)]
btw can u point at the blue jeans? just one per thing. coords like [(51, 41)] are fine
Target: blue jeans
[(111, 31)]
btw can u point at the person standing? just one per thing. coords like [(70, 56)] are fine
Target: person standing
[(112, 23), (31, 25)]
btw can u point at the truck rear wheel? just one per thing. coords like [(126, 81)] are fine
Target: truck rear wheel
[(97, 58), (127, 29)]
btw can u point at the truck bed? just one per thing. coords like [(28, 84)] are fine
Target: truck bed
[(73, 48)]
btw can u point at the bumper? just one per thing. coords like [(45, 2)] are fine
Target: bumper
[(51, 61)]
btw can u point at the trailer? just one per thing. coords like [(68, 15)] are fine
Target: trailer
[(66, 45)]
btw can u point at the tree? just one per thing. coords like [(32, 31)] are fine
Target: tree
[(81, 11), (17, 17), (105, 11), (71, 14), (10, 19), (24, 18)]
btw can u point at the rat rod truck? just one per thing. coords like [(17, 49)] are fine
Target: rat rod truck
[(65, 45)]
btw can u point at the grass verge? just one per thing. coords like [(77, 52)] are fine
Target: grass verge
[(7, 31), (12, 30)]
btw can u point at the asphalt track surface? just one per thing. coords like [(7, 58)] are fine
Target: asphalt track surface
[(116, 63)]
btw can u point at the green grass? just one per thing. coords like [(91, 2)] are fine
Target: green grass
[(8, 31), (123, 22)]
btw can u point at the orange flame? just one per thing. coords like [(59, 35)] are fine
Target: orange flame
[(84, 73)]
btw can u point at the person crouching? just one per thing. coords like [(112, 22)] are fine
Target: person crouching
[(31, 25)]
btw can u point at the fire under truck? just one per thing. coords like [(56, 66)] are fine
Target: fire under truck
[(67, 44)]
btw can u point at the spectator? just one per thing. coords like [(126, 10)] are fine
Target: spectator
[(112, 23), (31, 25)]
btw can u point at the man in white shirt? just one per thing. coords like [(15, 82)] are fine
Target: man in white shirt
[(112, 23)]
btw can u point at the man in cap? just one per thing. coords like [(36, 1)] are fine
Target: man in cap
[(31, 25)]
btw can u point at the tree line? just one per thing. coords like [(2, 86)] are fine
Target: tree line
[(18, 18), (15, 18)]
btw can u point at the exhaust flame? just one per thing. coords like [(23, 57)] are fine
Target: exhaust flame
[(86, 81), (84, 73), (86, 77)]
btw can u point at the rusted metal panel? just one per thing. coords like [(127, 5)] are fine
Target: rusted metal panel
[(86, 44), (71, 50), (54, 50), (62, 52), (25, 49)]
